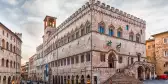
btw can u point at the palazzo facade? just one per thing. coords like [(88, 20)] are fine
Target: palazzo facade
[(10, 55), (92, 45)]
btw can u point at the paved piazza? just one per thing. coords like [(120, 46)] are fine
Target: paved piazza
[(156, 82)]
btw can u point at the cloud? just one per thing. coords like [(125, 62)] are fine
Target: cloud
[(27, 16)]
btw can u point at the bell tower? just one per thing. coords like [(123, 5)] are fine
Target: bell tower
[(49, 27), (49, 21)]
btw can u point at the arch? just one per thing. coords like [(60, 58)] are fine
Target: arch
[(68, 80), (56, 80), (111, 60), (147, 72), (119, 32), (101, 24), (77, 79), (140, 71), (111, 26), (62, 80), (101, 27), (72, 79), (9, 80), (65, 80), (88, 79), (3, 43), (53, 79), (3, 61), (4, 80), (82, 79), (7, 63)]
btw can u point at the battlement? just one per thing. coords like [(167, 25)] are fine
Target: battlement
[(104, 6), (115, 10)]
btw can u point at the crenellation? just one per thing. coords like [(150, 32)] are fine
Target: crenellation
[(116, 10), (121, 12), (79, 10), (103, 5), (87, 4), (83, 7), (125, 14), (98, 3), (108, 7), (112, 9)]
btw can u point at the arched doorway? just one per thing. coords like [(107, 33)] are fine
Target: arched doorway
[(147, 72), (68, 80), (82, 80), (111, 60), (77, 78), (65, 80), (9, 80), (72, 79), (4, 80), (62, 80), (53, 79), (56, 80), (140, 73), (88, 79)]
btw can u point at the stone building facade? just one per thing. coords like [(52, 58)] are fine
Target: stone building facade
[(10, 55), (32, 68), (24, 71), (157, 50), (92, 44)]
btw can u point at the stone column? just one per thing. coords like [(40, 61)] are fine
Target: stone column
[(144, 76), (150, 77)]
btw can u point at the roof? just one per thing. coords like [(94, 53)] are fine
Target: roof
[(149, 40), (10, 31), (50, 17), (160, 33)]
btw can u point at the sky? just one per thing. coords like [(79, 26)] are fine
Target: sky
[(26, 16)]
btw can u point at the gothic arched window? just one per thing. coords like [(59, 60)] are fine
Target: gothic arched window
[(138, 38), (119, 32), (101, 27), (131, 36), (111, 30)]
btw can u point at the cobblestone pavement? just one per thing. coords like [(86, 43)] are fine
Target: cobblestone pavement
[(156, 82)]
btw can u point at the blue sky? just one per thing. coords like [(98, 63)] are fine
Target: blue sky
[(26, 16)]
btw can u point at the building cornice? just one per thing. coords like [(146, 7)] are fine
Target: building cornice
[(10, 32)]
